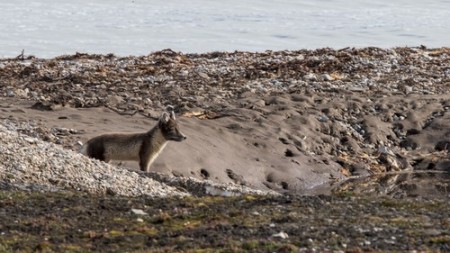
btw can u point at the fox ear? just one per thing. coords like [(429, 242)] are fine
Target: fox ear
[(164, 117), (170, 109)]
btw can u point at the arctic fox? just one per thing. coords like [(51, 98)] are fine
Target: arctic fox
[(142, 147)]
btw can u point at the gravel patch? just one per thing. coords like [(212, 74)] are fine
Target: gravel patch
[(30, 163)]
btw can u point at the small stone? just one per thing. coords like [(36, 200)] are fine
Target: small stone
[(184, 73), (203, 75), (327, 77), (34, 94), (360, 169), (10, 93), (30, 140), (385, 150), (431, 232), (357, 89), (310, 77), (323, 118), (22, 93), (147, 101), (281, 235), (138, 212), (408, 89), (260, 103), (114, 100)]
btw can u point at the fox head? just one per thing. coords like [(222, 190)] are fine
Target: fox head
[(169, 127)]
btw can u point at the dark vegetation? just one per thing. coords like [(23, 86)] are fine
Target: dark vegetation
[(76, 222)]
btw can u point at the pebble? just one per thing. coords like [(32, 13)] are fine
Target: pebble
[(10, 93), (357, 89), (115, 100), (385, 150), (327, 77), (203, 75), (184, 73), (30, 140), (323, 118), (310, 77), (138, 212), (281, 235)]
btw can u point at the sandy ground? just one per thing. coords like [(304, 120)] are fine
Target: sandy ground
[(243, 153)]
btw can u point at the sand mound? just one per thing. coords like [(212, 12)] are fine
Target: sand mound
[(32, 164)]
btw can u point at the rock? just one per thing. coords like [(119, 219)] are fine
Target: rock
[(357, 89), (115, 100), (259, 103), (443, 145), (43, 106), (135, 106), (433, 232), (393, 161), (21, 93), (310, 77), (138, 212), (184, 73), (327, 77), (281, 235), (203, 75), (30, 140), (323, 118), (360, 169), (385, 150), (10, 93)]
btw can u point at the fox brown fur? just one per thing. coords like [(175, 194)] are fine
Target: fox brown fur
[(142, 147)]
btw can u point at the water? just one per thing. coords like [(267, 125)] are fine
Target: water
[(49, 28)]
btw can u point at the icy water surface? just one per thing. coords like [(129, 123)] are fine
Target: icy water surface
[(48, 28)]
